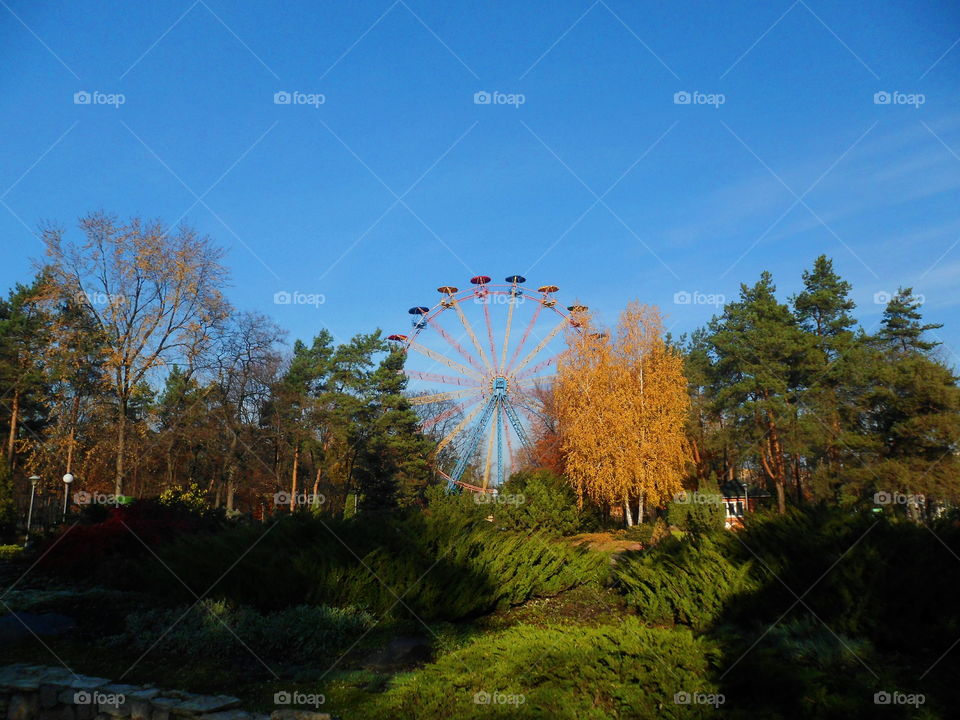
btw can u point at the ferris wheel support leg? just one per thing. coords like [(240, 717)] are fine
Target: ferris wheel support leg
[(515, 421), (472, 443), (499, 420)]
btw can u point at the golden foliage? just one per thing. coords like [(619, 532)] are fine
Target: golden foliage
[(621, 401)]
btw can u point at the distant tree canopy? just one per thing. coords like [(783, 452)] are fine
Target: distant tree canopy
[(123, 363), (797, 398)]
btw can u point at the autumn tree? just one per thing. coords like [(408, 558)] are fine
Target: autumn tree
[(153, 292), (621, 402)]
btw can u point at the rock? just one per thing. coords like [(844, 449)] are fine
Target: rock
[(140, 709), (63, 712), (23, 707), (87, 682)]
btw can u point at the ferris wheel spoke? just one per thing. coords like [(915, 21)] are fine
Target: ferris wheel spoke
[(440, 397), (455, 344), (486, 318), (473, 336), (445, 379), (526, 334), (467, 419), (542, 344), (450, 412), (453, 364), (506, 335), (538, 367), (532, 381)]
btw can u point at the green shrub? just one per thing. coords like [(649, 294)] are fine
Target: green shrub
[(216, 629), (647, 534), (438, 567), (828, 674), (689, 581), (10, 552), (537, 500), (624, 670), (698, 511)]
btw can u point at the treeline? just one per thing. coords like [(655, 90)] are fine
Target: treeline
[(123, 364), (797, 398)]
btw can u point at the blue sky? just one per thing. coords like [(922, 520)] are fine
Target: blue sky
[(399, 181)]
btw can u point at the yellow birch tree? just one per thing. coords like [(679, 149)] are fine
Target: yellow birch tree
[(621, 403)]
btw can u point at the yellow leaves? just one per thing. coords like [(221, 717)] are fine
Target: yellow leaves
[(621, 401)]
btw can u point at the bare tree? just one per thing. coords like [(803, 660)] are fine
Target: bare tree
[(155, 295), (247, 365)]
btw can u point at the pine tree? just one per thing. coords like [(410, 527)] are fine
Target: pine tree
[(761, 356), (902, 328), (823, 310)]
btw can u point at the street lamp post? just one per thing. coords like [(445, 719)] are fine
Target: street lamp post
[(34, 479), (67, 479)]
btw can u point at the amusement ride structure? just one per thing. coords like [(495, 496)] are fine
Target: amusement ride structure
[(495, 382)]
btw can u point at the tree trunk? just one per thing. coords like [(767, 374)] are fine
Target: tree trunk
[(796, 479), (72, 437), (627, 515), (14, 420), (293, 479), (121, 447), (316, 489), (640, 510)]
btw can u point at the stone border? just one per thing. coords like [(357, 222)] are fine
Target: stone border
[(39, 692)]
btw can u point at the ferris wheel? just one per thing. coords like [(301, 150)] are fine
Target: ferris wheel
[(496, 379)]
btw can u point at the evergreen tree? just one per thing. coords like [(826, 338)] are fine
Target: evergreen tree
[(761, 357), (23, 337), (823, 310), (902, 327), (395, 464)]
